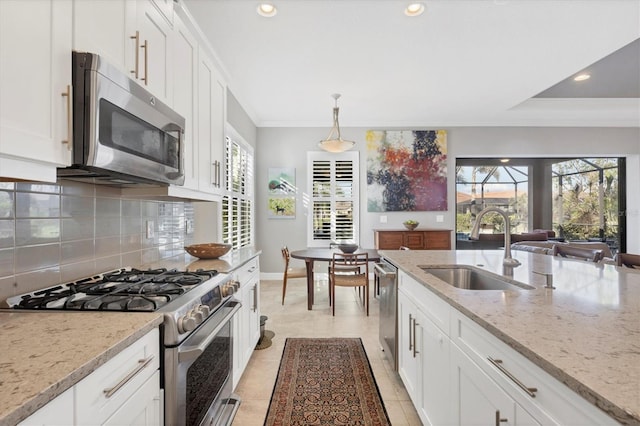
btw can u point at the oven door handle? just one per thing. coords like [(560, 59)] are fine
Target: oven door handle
[(192, 353)]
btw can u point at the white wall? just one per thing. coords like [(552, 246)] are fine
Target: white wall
[(287, 147)]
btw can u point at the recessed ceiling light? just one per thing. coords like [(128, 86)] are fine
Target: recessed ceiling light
[(267, 9), (414, 9), (582, 77), (504, 160)]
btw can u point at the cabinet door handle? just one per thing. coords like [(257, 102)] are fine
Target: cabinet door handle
[(142, 363), (145, 46), (136, 68), (67, 95), (415, 324), (255, 298), (214, 174), (498, 364), (499, 419), (410, 331)]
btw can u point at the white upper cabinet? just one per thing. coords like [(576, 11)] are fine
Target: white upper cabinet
[(185, 75), (106, 27), (199, 95), (133, 35), (211, 119), (166, 8), (154, 51), (35, 87)]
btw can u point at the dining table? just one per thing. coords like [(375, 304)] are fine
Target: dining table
[(323, 254)]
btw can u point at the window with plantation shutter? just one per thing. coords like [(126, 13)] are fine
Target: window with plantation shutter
[(334, 202), (237, 202)]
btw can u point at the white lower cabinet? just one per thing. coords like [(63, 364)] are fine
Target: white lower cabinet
[(423, 361), (479, 400), (409, 359), (247, 320), (124, 391), (457, 373), (57, 412), (143, 409)]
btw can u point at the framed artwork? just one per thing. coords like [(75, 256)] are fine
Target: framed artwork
[(406, 170), (282, 207), (281, 202), (282, 180)]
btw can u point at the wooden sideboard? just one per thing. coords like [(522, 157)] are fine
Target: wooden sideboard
[(435, 239)]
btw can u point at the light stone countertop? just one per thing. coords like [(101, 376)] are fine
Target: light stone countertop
[(585, 332), (45, 353), (225, 264)]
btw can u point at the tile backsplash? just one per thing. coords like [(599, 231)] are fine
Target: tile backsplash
[(52, 233)]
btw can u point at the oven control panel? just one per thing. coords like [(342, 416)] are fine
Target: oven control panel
[(194, 317), (196, 312)]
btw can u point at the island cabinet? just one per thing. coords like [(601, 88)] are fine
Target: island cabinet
[(415, 240), (458, 373), (423, 362), (123, 391), (479, 400), (247, 320)]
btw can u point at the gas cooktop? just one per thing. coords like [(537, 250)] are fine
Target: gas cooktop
[(126, 289)]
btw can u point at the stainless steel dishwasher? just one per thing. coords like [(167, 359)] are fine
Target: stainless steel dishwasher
[(387, 276)]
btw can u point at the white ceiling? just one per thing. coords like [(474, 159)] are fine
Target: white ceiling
[(461, 63)]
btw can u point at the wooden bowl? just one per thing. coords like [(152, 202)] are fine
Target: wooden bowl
[(208, 250)]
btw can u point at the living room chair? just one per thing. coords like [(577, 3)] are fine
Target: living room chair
[(629, 260), (349, 270), (590, 255), (289, 272)]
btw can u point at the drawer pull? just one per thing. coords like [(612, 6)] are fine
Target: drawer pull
[(415, 345), (142, 363), (498, 364), (410, 330)]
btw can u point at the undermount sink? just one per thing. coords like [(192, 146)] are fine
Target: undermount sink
[(471, 279)]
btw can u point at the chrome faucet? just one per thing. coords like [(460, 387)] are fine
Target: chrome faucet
[(508, 260)]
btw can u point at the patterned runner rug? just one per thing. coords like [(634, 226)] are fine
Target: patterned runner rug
[(325, 382)]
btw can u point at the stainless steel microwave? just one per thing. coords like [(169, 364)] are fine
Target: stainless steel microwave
[(122, 134)]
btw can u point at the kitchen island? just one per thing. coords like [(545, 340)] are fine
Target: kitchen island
[(45, 353), (585, 333)]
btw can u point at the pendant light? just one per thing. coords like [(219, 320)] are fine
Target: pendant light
[(334, 142)]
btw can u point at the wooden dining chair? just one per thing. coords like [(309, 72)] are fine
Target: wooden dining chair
[(343, 267), (629, 260), (289, 272), (590, 255)]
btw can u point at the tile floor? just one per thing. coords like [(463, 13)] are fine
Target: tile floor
[(294, 320)]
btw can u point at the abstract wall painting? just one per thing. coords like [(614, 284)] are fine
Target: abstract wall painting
[(406, 170), (282, 190)]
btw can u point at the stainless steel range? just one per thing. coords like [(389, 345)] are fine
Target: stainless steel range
[(197, 336)]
